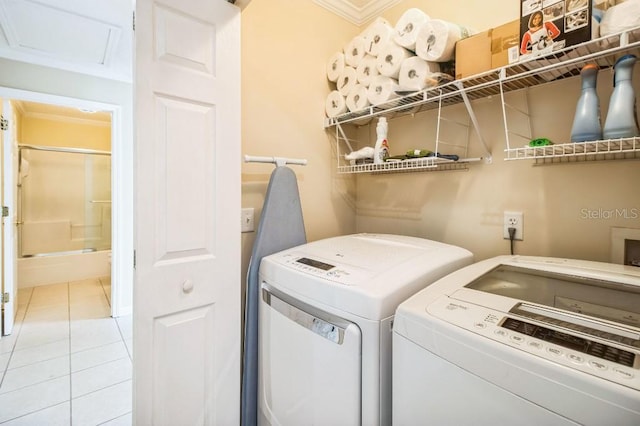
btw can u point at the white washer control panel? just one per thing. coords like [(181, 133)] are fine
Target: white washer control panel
[(607, 359)]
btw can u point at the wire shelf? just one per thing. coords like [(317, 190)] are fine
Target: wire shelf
[(411, 165), (559, 65), (562, 64), (610, 149)]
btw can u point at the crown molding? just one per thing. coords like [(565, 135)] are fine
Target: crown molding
[(357, 12)]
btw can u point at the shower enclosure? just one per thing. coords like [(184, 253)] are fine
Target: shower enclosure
[(64, 214)]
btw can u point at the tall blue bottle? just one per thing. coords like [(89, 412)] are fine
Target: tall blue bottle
[(586, 123), (622, 120)]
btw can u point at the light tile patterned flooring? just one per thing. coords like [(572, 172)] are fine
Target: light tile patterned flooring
[(67, 361)]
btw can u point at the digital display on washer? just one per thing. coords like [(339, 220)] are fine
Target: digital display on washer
[(572, 342), (315, 263)]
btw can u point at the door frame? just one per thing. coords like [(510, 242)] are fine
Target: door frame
[(121, 204)]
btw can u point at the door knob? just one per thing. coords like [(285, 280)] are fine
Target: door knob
[(187, 286)]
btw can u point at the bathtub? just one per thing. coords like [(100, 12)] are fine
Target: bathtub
[(63, 267)]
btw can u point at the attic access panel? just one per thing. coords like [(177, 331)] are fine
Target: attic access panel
[(32, 27)]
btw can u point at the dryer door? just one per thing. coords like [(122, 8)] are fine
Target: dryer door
[(310, 369)]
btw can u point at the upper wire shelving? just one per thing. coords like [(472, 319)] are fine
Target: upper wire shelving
[(562, 64)]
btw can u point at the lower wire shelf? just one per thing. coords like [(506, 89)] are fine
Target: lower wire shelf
[(610, 149), (412, 165)]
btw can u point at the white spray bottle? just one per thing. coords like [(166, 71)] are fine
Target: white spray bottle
[(381, 149), (622, 121)]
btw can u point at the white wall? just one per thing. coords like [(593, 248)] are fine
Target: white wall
[(466, 208), (286, 45)]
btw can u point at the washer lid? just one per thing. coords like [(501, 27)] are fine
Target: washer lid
[(364, 274)]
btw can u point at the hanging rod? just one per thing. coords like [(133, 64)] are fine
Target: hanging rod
[(60, 149), (279, 161)]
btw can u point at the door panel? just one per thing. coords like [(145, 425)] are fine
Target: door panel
[(197, 380), (9, 231), (187, 291)]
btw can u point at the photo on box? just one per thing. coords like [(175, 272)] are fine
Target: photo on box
[(573, 5), (540, 36), (550, 25), (577, 20)]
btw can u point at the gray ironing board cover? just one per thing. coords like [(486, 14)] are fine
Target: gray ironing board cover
[(281, 227)]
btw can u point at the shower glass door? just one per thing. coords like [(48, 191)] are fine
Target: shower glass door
[(65, 201)]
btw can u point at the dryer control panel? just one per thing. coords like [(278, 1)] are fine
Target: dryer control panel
[(607, 359), (304, 263)]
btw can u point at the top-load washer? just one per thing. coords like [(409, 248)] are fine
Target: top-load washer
[(521, 340), (326, 312)]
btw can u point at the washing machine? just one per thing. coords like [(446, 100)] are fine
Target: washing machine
[(521, 341), (325, 318)]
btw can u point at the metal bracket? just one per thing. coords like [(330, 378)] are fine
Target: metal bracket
[(5, 211), (4, 123), (6, 297)]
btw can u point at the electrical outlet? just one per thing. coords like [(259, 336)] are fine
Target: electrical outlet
[(513, 220), (246, 216)]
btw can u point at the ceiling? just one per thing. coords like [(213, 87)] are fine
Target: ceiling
[(87, 36), (95, 37), (62, 113)]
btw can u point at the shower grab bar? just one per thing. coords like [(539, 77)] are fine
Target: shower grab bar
[(61, 149), (278, 161)]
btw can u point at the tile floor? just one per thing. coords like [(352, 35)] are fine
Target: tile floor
[(67, 361)]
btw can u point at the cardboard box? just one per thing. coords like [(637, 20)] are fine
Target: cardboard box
[(550, 25), (505, 40), (473, 55)]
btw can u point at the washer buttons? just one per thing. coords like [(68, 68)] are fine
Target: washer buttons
[(625, 374), (598, 365), (535, 344), (575, 358), (501, 332), (555, 351), (480, 325), (516, 339)]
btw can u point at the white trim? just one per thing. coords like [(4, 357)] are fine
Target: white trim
[(357, 14)]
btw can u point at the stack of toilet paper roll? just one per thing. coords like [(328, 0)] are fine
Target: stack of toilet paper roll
[(386, 59)]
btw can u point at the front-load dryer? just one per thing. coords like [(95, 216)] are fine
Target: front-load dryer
[(521, 341), (326, 312)]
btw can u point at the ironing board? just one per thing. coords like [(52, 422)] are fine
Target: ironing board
[(281, 227)]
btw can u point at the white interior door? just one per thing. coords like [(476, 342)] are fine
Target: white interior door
[(187, 291), (9, 200)]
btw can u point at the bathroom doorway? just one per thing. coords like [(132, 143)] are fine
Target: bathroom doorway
[(102, 225)]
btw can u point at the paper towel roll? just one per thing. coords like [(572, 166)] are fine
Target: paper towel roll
[(414, 72), (377, 37), (354, 51), (390, 59), (367, 70), (357, 99), (382, 89), (437, 39), (347, 80), (335, 104), (408, 26), (335, 66), (621, 17), (378, 20)]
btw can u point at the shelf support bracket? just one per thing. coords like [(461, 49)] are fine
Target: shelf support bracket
[(344, 137), (474, 120)]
